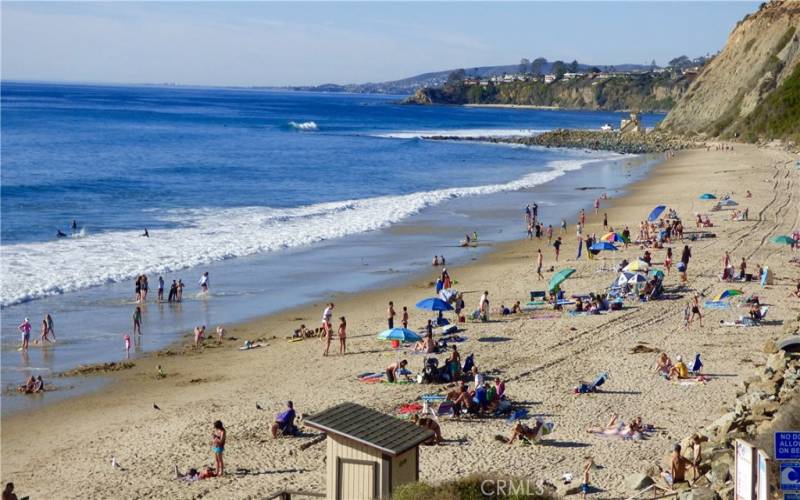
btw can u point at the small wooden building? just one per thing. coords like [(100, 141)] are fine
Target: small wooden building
[(369, 453)]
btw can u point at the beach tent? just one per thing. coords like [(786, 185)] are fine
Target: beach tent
[(784, 240), (612, 238), (602, 245), (400, 335), (727, 294), (728, 203), (655, 213), (559, 278), (434, 304), (707, 196), (637, 265)]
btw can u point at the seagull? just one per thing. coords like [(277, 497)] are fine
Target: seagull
[(258, 407), (155, 407)]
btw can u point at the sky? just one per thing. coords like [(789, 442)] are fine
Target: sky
[(305, 43)]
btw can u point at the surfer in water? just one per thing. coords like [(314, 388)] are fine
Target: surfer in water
[(146, 234), (60, 234)]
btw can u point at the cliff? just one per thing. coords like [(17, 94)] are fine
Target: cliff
[(644, 92), (751, 90)]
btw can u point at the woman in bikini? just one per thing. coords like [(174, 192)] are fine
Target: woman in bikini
[(342, 335), (218, 445)]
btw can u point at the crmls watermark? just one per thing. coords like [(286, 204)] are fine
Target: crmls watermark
[(508, 487)]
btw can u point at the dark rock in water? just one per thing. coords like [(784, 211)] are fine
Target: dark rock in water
[(633, 143)]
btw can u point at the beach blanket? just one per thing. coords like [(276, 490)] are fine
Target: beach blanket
[(433, 398), (701, 380), (717, 304), (410, 408), (517, 415)]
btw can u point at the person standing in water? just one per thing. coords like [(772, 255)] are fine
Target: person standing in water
[(25, 329), (44, 332), (74, 226), (161, 289), (179, 295), (126, 339), (137, 320), (51, 329), (204, 282), (145, 287)]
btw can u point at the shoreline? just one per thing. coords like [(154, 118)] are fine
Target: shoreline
[(225, 382)]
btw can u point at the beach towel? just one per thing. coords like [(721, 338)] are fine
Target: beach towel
[(410, 408), (717, 304), (699, 380), (517, 415), (249, 346)]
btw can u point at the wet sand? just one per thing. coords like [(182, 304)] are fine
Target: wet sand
[(65, 449)]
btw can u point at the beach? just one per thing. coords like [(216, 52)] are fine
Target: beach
[(65, 449)]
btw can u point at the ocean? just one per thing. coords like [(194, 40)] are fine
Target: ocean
[(283, 197)]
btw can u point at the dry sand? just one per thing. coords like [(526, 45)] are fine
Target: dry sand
[(65, 450)]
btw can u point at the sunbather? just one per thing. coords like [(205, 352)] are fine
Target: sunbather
[(195, 475), (663, 364), (614, 427), (679, 370)]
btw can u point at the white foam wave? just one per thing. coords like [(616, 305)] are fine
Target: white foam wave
[(464, 133), (34, 270), (306, 126)]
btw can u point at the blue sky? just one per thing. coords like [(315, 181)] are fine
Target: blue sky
[(260, 43)]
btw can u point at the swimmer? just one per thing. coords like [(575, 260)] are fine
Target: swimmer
[(204, 282), (60, 234)]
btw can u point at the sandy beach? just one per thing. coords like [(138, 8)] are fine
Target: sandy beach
[(65, 450)]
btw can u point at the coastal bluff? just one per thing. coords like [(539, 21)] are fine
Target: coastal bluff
[(751, 90)]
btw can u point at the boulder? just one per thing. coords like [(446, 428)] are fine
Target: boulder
[(726, 493), (770, 347), (636, 482), (719, 473), (698, 494), (777, 361), (768, 387), (765, 407)]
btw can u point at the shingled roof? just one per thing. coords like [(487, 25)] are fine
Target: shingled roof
[(369, 427)]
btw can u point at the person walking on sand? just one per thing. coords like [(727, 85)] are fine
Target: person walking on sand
[(582, 217), (327, 328), (684, 267), (557, 246), (390, 314), (342, 335), (199, 335), (539, 262), (668, 260), (696, 310), (549, 233), (218, 436), (25, 328), (597, 206), (137, 320), (563, 226), (161, 289), (405, 317), (587, 466), (220, 334), (51, 329)]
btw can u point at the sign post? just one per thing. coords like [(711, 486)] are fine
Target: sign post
[(744, 488)]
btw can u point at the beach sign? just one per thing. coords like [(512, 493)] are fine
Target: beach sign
[(790, 476), (787, 445)]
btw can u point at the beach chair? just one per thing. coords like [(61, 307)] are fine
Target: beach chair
[(747, 320), (584, 388), (538, 295), (696, 366)]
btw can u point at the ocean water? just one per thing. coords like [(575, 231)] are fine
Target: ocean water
[(283, 197)]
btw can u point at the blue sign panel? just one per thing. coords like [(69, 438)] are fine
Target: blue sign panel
[(790, 476), (791, 496), (787, 446)]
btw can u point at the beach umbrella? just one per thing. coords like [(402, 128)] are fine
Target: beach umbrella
[(707, 196), (728, 203), (637, 278), (727, 294), (612, 237), (602, 245), (637, 265), (434, 304), (656, 212), (400, 335), (559, 278), (784, 240)]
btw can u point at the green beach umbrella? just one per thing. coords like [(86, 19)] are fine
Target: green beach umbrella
[(727, 294), (657, 272), (559, 278), (784, 240), (707, 196)]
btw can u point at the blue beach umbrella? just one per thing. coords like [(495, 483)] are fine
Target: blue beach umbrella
[(602, 245), (707, 196), (434, 304), (655, 213), (399, 334), (728, 203), (637, 279)]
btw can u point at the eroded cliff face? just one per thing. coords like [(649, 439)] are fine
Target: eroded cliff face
[(747, 90)]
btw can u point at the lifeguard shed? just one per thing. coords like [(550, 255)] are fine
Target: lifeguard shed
[(369, 453)]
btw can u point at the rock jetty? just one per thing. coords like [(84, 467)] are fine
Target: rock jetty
[(633, 143)]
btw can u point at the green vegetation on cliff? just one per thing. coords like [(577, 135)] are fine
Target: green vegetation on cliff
[(779, 114), (645, 92)]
